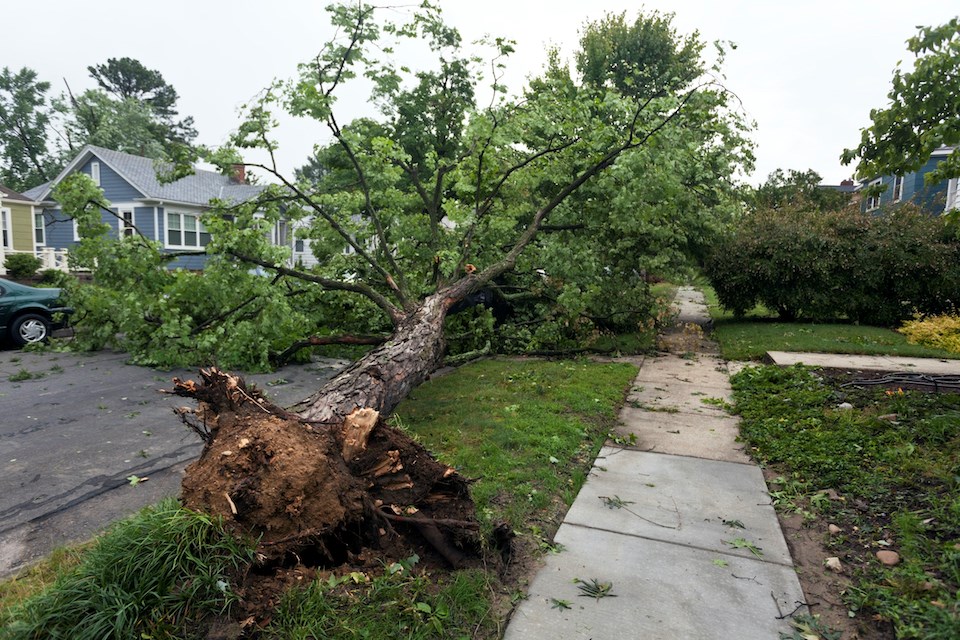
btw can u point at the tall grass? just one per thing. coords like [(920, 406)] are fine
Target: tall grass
[(155, 575)]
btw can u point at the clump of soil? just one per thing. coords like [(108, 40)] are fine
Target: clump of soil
[(320, 495)]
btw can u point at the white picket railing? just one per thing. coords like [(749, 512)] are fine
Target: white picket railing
[(50, 258)]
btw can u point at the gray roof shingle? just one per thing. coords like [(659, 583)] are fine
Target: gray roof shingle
[(199, 188)]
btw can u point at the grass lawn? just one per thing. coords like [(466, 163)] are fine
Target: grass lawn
[(886, 472), (526, 430), (750, 337)]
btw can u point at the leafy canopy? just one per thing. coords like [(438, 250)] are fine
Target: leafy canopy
[(560, 200), (24, 127), (923, 114)]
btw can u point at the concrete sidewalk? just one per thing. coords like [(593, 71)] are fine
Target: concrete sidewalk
[(930, 366), (679, 523)]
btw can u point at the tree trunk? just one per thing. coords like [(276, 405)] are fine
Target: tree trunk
[(386, 374), (332, 481)]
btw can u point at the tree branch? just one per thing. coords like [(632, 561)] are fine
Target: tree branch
[(318, 341), (395, 314)]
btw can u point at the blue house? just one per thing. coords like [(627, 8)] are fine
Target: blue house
[(169, 213), (934, 198)]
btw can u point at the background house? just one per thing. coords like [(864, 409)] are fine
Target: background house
[(22, 231), (934, 198), (168, 213), (16, 221)]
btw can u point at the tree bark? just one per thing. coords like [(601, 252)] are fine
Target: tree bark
[(386, 375)]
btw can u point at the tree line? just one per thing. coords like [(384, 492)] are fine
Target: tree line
[(132, 109)]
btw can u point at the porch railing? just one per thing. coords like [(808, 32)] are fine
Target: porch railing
[(50, 258)]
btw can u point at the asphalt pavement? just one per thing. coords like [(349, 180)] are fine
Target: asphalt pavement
[(75, 429)]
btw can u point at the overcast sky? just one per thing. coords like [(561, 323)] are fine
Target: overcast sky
[(807, 71)]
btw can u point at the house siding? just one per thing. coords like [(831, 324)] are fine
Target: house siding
[(930, 198), (59, 229), (115, 188), (21, 223)]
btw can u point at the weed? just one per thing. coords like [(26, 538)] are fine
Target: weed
[(593, 588), (23, 374), (886, 484), (809, 627), (623, 440), (559, 604), (743, 543), (615, 502)]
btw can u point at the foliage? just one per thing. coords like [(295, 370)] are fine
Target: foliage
[(167, 317), (795, 187), (892, 459), (940, 332), (399, 604), (21, 265), (158, 574), (831, 265), (441, 194), (923, 114), (25, 117)]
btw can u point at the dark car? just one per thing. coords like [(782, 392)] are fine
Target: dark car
[(28, 314)]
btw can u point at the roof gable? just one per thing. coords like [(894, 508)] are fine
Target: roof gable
[(10, 194), (141, 173)]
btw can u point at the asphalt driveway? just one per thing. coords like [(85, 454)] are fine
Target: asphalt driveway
[(75, 428)]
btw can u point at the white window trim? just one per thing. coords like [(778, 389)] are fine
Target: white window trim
[(6, 228), (897, 188), (122, 226), (183, 214), (95, 172), (876, 198), (953, 202), (43, 228)]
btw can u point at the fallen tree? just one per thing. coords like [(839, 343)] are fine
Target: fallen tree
[(416, 213)]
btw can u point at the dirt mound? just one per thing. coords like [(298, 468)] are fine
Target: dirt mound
[(321, 494)]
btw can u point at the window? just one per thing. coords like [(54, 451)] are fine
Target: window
[(39, 230), (6, 230), (873, 201), (897, 188), (186, 230), (128, 227), (953, 202), (95, 172)]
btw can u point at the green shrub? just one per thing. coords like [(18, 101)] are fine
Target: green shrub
[(942, 331), (21, 265), (832, 265), (53, 277)]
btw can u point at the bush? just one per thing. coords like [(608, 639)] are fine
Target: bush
[(21, 265), (832, 265), (942, 332)]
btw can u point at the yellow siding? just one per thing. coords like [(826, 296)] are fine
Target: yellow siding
[(21, 216)]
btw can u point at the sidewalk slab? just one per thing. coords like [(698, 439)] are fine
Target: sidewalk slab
[(713, 437), (704, 371), (663, 592), (670, 522), (680, 396), (933, 366), (681, 500)]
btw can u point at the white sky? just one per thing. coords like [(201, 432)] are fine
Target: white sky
[(807, 71)]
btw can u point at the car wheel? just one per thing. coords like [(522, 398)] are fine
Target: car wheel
[(29, 328)]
